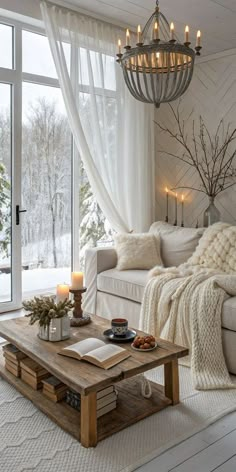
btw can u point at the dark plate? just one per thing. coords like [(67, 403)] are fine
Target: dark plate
[(130, 335)]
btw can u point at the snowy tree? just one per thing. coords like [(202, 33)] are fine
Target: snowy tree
[(5, 225), (93, 225)]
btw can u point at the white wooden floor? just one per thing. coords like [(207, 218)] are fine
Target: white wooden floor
[(213, 449)]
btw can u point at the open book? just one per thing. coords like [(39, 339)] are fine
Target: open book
[(97, 352)]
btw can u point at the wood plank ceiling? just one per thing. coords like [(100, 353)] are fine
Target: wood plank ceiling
[(215, 18)]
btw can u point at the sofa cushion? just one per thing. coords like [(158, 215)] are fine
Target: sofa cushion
[(229, 314), (137, 251), (177, 243), (128, 284)]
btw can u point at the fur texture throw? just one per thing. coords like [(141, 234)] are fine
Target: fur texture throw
[(137, 251), (184, 304)]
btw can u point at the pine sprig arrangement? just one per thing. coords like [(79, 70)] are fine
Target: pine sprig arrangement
[(44, 309)]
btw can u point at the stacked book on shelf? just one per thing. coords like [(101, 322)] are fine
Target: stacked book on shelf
[(33, 373), (54, 389), (13, 356), (106, 400)]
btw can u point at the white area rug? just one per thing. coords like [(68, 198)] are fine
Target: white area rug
[(29, 441)]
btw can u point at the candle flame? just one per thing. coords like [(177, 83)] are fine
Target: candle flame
[(186, 29), (199, 34), (127, 33), (119, 42), (172, 26), (167, 190), (176, 195), (156, 25), (139, 29), (182, 198)]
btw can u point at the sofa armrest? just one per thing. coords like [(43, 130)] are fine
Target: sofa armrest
[(96, 260)]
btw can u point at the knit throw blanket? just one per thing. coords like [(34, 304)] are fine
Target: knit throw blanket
[(184, 304)]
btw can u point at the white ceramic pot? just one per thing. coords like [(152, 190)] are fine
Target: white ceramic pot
[(58, 330)]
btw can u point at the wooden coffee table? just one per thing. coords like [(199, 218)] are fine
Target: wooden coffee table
[(87, 379)]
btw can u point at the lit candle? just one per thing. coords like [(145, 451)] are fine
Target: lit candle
[(187, 34), (119, 46), (127, 38), (156, 30), (182, 203), (176, 202), (62, 292), (77, 280), (198, 38), (172, 30), (167, 205), (139, 31)]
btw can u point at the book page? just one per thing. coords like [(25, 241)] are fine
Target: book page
[(105, 352), (85, 346)]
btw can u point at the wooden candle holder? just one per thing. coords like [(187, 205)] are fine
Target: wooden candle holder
[(78, 318)]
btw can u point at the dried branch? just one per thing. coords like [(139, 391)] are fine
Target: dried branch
[(211, 157)]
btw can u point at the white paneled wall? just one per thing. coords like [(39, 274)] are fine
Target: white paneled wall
[(212, 94)]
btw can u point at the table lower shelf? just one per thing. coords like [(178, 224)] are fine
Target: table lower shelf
[(131, 405)]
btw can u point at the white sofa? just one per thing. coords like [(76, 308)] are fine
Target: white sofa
[(112, 293)]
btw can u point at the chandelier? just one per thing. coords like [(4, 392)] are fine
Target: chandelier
[(160, 68)]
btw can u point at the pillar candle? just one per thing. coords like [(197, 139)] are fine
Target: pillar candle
[(62, 292), (77, 280)]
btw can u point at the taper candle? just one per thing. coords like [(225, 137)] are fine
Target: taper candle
[(167, 205), (176, 202), (182, 204), (172, 31), (62, 293)]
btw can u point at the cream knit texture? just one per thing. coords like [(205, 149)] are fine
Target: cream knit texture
[(184, 305)]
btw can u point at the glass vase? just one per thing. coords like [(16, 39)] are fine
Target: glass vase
[(211, 214)]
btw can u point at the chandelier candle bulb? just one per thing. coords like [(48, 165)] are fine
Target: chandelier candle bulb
[(156, 31), (62, 293), (119, 46), (127, 38), (172, 31), (198, 38), (167, 205), (187, 34), (77, 280), (139, 32)]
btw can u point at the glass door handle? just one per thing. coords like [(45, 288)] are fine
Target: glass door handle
[(18, 211)]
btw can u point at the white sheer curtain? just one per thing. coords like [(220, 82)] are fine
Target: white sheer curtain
[(113, 132)]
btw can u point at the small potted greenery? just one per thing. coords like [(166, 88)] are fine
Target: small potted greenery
[(52, 317)]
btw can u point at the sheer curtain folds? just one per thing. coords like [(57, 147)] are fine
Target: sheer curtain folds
[(113, 132)]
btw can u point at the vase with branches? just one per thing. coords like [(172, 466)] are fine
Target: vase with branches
[(213, 157)]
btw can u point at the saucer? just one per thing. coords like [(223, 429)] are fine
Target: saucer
[(129, 336)]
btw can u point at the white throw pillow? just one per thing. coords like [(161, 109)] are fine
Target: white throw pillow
[(177, 243), (137, 251)]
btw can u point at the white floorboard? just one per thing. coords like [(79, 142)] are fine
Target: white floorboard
[(210, 450)]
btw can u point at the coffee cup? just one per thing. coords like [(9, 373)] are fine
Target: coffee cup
[(119, 326)]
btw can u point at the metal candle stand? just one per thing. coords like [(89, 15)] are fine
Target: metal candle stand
[(78, 318)]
